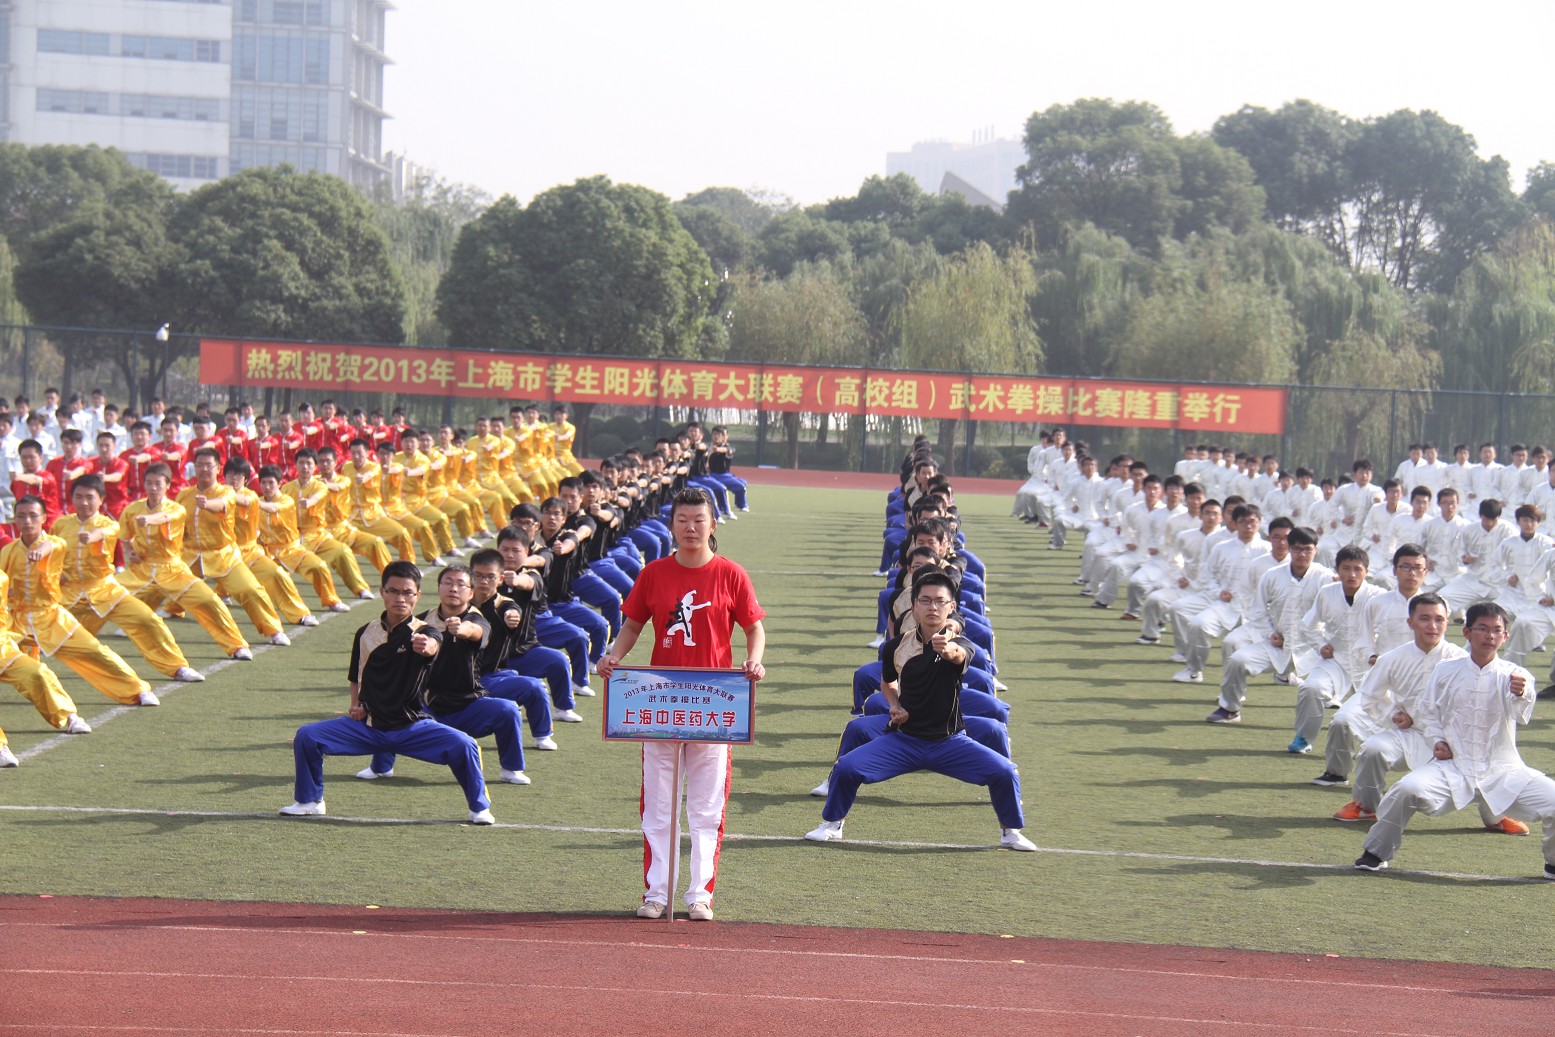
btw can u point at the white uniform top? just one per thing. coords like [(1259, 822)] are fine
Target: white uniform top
[(1282, 602), (1457, 476), (1480, 543), (1441, 546), (1432, 475), (1405, 474), (1323, 516), (1157, 537), (1084, 496), (1353, 501), (1474, 711), (1385, 622), (1542, 496), (1518, 557), (1379, 524), (1514, 483), (1333, 620), (1484, 482), (1036, 457), (1398, 682), (1186, 555), (1232, 566), (1406, 529), (1133, 526)]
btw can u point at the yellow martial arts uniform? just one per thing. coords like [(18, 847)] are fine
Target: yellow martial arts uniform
[(313, 525), (393, 479), (492, 506), (92, 594), (466, 514), (490, 453), (364, 487), (36, 613), (37, 683), (563, 435), (280, 540), (337, 513), (415, 484), (155, 536), (276, 581), (211, 551)]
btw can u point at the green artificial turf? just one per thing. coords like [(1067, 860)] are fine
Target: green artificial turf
[(1175, 831)]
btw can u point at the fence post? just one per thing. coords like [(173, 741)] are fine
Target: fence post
[(761, 436), (1393, 425), (27, 362)]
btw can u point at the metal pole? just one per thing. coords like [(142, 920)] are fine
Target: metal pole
[(1392, 425)]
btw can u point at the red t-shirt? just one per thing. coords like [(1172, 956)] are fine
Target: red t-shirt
[(47, 491), (117, 493), (173, 455), (63, 487), (694, 611), (135, 477)]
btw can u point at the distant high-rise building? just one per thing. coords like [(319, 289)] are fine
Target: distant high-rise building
[(988, 164), (197, 89)]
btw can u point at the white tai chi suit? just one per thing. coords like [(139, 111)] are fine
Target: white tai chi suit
[(1283, 599), (1514, 573), (1442, 557), (1339, 622), (1515, 482), (1475, 713), (1377, 538), (1161, 530), (1535, 620), (1231, 572), (1484, 483), (1081, 500), (1478, 581), (1352, 502), (1363, 735), (1182, 567), (1134, 531), (1385, 622)]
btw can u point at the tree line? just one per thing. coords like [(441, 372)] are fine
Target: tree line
[(1288, 245)]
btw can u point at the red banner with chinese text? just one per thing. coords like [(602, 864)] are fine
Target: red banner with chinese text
[(686, 383)]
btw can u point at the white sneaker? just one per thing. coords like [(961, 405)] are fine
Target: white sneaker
[(650, 909), (188, 674), (482, 817), (243, 655), (368, 774), (1187, 676), (454, 552), (1177, 657), (882, 572), (701, 911), (340, 606), (999, 685), (747, 510), (878, 641), (583, 691), (8, 758), (74, 725), (149, 698), (545, 743), (1011, 839), (514, 777), (471, 542), (828, 832), (310, 620), (567, 716), (438, 561), (315, 809), (280, 638), (366, 594), (822, 790)]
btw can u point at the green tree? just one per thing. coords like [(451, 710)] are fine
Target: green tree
[(422, 228), (274, 253), (44, 186), (808, 317), (1539, 196), (796, 237), (728, 247), (896, 201), (748, 210), (1085, 289), (1358, 422), (1218, 189), (1496, 332), (971, 315)]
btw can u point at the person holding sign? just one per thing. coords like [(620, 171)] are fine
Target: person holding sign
[(694, 598), (922, 671)]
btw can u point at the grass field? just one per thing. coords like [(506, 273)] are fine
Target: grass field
[(1155, 826)]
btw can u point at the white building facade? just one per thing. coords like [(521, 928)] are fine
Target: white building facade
[(197, 89)]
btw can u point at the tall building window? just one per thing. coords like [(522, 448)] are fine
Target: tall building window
[(88, 102), (169, 48), (277, 58), (69, 41), (186, 167)]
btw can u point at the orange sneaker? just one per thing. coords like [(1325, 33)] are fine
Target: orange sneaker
[(1510, 826), (1353, 811)]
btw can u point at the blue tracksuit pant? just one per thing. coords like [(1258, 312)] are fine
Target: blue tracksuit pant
[(486, 716), (528, 692), (894, 754), (425, 740)]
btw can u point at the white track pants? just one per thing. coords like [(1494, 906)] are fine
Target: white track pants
[(705, 775)]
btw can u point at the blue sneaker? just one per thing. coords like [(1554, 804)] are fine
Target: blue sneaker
[(1299, 745)]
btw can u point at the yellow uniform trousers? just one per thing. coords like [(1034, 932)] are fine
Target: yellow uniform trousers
[(311, 568), (92, 661), (466, 515), (365, 544), (36, 682), (150, 636), (278, 586), (338, 557), (442, 529), (151, 583), (239, 584), (390, 533), (416, 529)]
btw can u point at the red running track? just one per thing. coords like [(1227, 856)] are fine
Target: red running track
[(81, 966)]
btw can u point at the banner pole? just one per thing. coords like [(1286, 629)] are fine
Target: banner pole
[(680, 756)]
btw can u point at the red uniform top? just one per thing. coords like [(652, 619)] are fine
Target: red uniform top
[(384, 434), (48, 491), (173, 455), (265, 451), (217, 443), (117, 494), (135, 471), (338, 433), (312, 433), (63, 486), (693, 610), (235, 443), (295, 439)]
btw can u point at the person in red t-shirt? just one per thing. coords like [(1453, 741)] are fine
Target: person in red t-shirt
[(338, 432), (204, 437), (294, 438), (265, 447), (36, 479), (173, 454), (233, 437), (72, 463), (140, 455), (114, 472), (694, 598)]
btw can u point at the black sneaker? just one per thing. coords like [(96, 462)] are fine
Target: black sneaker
[(1329, 778), (1549, 872), (1369, 861), (1099, 605)]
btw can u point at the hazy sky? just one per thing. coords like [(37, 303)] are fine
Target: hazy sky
[(805, 98)]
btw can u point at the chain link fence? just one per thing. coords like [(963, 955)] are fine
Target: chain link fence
[(1326, 427)]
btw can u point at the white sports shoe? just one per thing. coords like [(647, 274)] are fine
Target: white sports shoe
[(650, 909), (366, 594), (310, 620), (1012, 839), (149, 698), (438, 561), (545, 743), (280, 638), (368, 774), (315, 809), (76, 726), (828, 832), (879, 639), (1187, 676), (243, 655), (188, 674), (472, 542), (701, 911), (583, 691), (567, 716), (340, 606), (514, 777), (822, 790), (482, 817), (8, 758)]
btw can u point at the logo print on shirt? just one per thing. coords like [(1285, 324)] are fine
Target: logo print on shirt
[(681, 620)]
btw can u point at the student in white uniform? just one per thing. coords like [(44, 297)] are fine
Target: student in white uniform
[(1339, 654)]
